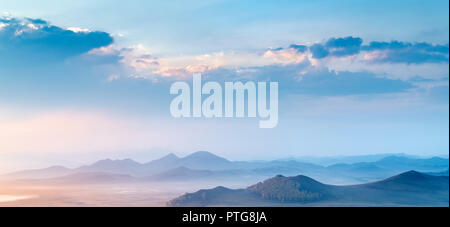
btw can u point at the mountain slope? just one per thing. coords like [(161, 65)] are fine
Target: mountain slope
[(407, 189)]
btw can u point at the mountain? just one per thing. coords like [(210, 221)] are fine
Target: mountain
[(126, 166), (201, 160), (205, 160), (351, 159), (203, 165), (443, 173), (298, 189), (198, 160), (50, 172), (407, 189), (388, 166), (398, 162), (165, 163)]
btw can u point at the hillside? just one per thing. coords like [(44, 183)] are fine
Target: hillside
[(407, 189)]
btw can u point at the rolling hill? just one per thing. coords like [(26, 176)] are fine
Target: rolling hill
[(407, 189)]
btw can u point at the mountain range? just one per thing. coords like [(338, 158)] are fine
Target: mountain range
[(407, 189), (206, 166)]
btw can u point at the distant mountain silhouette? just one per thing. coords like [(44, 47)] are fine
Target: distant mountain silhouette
[(126, 166), (407, 189), (203, 165), (388, 166), (399, 162), (164, 162), (199, 160), (443, 173), (50, 172)]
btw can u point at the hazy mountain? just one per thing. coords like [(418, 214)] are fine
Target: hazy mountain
[(388, 166), (349, 159), (443, 173), (126, 166), (408, 189), (198, 160), (396, 162), (165, 162), (204, 165), (205, 160), (54, 171)]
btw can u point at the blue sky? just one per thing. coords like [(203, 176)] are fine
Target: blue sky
[(90, 79)]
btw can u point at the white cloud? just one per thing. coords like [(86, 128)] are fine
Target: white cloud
[(2, 25), (286, 56), (79, 30)]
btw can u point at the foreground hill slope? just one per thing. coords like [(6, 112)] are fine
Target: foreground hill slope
[(407, 189)]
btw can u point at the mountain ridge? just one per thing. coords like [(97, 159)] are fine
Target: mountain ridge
[(407, 189), (205, 165)]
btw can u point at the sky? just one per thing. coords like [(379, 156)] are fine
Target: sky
[(87, 80)]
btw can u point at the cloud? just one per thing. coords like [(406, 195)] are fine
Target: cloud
[(375, 52), (336, 66), (29, 40), (319, 51), (404, 52), (344, 46), (339, 47), (299, 48)]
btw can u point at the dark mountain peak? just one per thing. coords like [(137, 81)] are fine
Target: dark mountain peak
[(203, 197), (412, 173), (299, 188), (410, 176), (301, 180), (412, 179), (221, 189), (406, 189)]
